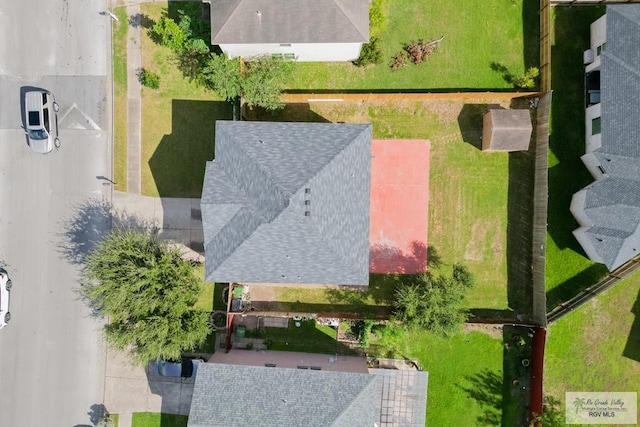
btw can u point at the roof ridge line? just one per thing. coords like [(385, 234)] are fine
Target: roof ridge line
[(226, 21), (373, 380), (366, 126), (339, 6), (281, 191)]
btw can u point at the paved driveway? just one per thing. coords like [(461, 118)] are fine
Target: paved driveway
[(131, 389)]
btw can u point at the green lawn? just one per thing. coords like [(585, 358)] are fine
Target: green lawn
[(568, 270), (151, 419), (465, 375), (377, 300), (178, 123), (475, 36), (597, 347), (120, 28), (310, 337)]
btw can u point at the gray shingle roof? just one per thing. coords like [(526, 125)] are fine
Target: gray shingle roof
[(238, 396), (286, 21), (612, 204), (288, 203)]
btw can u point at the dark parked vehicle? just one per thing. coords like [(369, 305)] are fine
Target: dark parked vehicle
[(186, 368)]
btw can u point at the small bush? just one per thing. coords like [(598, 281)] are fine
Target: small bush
[(168, 33), (371, 53), (528, 80), (377, 18), (149, 79)]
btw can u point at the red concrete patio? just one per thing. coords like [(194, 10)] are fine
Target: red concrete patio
[(399, 206)]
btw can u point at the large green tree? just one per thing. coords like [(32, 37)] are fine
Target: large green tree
[(259, 80), (435, 302), (148, 292)]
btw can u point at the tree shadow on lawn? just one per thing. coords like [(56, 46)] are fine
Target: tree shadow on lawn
[(306, 338), (292, 112), (632, 348), (486, 388), (504, 398), (178, 162)]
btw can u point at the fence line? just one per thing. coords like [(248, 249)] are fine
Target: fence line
[(545, 45), (540, 204), (589, 2), (399, 96), (594, 290)]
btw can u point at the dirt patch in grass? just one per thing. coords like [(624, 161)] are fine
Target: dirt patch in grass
[(494, 331)]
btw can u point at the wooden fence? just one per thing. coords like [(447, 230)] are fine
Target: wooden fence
[(545, 45), (398, 96), (540, 204)]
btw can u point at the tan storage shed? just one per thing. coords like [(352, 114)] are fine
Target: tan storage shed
[(506, 130)]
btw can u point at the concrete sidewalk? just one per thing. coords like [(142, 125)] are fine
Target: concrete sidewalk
[(176, 219)]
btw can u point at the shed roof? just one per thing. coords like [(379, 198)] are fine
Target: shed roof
[(507, 130), (286, 21), (288, 203)]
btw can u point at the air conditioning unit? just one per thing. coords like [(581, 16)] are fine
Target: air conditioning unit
[(587, 57)]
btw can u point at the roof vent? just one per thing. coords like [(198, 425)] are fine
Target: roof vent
[(307, 213), (307, 202), (307, 190)]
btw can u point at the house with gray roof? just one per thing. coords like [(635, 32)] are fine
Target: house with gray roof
[(301, 30), (228, 395), (239, 396), (608, 210), (288, 203)]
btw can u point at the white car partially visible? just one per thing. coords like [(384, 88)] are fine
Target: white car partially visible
[(5, 285)]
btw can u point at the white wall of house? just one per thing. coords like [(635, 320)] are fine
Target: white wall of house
[(577, 209), (598, 39), (303, 52), (593, 137), (594, 167)]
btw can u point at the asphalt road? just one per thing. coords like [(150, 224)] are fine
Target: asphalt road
[(52, 359)]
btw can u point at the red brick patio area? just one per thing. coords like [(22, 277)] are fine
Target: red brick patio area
[(399, 206)]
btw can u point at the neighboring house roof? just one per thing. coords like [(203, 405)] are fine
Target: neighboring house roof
[(235, 396), (612, 204), (286, 21), (288, 203)]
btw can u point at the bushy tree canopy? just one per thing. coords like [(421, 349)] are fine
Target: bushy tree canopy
[(168, 33), (148, 292), (433, 302), (259, 80)]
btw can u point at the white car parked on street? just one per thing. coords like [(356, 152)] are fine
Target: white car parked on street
[(41, 120), (5, 285)]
